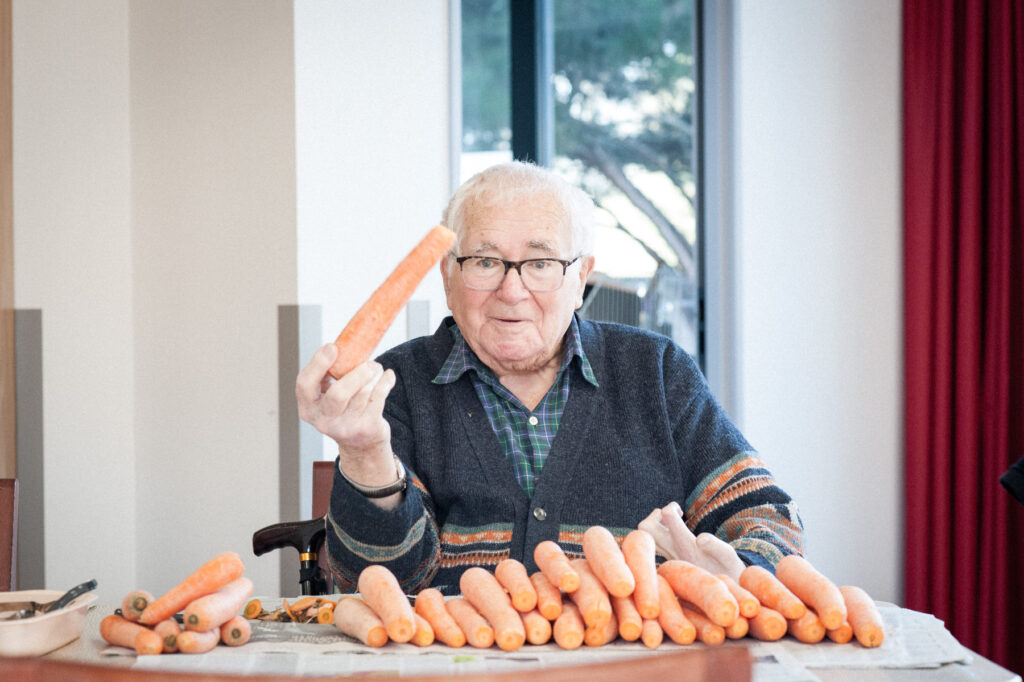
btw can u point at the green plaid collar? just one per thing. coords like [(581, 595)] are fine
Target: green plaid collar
[(461, 358)]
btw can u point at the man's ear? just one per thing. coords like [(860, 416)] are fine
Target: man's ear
[(586, 267), (443, 266)]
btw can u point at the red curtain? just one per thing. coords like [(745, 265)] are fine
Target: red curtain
[(963, 92)]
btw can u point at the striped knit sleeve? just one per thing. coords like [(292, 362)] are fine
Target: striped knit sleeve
[(359, 533), (741, 503)]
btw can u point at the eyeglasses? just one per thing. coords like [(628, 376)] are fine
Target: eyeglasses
[(485, 273)]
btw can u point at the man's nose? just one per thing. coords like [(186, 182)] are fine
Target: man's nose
[(512, 285)]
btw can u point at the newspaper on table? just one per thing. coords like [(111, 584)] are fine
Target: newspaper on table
[(912, 640)]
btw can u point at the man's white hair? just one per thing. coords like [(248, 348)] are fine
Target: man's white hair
[(520, 181)]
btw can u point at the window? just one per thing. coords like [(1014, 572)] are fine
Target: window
[(606, 94)]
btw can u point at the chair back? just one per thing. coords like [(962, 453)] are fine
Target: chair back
[(323, 478), (8, 533)]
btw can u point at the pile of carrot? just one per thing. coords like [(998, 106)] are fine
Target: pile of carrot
[(209, 600), (614, 591)]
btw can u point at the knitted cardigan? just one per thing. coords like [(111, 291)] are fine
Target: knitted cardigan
[(650, 433)]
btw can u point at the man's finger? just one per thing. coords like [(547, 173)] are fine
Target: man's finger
[(722, 552), (361, 396), (309, 384)]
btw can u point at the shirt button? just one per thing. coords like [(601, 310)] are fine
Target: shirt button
[(539, 513), (533, 421)]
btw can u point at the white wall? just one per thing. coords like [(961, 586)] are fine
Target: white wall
[(372, 113), (818, 267)]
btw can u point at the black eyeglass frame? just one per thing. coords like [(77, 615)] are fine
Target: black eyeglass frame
[(518, 265)]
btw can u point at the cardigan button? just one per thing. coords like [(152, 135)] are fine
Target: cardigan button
[(539, 513)]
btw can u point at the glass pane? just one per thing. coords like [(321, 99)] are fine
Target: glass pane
[(625, 98), (486, 108)]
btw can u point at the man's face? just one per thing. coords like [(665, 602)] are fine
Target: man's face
[(511, 329)]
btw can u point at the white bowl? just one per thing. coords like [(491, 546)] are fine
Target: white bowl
[(45, 632)]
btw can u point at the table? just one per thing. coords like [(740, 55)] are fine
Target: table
[(83, 659)]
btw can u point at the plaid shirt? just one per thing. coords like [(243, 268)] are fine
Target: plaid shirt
[(525, 437)]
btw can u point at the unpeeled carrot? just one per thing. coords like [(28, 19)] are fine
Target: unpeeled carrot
[(355, 618), (770, 591), (768, 625), (808, 628), (196, 642), (117, 630), (841, 634), (652, 634), (513, 577), (606, 561), (134, 603), (671, 618), (863, 615), (538, 628), (479, 633), (600, 636), (214, 609), (631, 623), (591, 597), (168, 630), (549, 598), (555, 566), (252, 608), (325, 613), (430, 605), (568, 629), (485, 593), (424, 635), (739, 628), (236, 631), (812, 588), (707, 632), (379, 588), (747, 602), (360, 337), (210, 577), (638, 549), (701, 588)]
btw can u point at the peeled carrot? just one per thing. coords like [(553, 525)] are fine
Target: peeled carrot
[(236, 631), (739, 628), (168, 631), (841, 634), (638, 549), (196, 642), (631, 623), (812, 588), (513, 577), (671, 617), (747, 602), (863, 615), (808, 628), (703, 589), (424, 635), (355, 618), (555, 566), (215, 609), (485, 593), (568, 628), (360, 337), (549, 599), (599, 636), (117, 630), (538, 628), (430, 605), (652, 634), (591, 597), (210, 577), (479, 633), (768, 625), (606, 561), (379, 588), (707, 632), (134, 603), (770, 591)]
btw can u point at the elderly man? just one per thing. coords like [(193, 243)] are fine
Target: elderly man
[(518, 422)]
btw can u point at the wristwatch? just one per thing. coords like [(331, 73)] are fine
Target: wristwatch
[(382, 490)]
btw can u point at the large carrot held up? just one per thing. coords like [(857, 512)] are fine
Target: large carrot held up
[(364, 331), (210, 577)]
